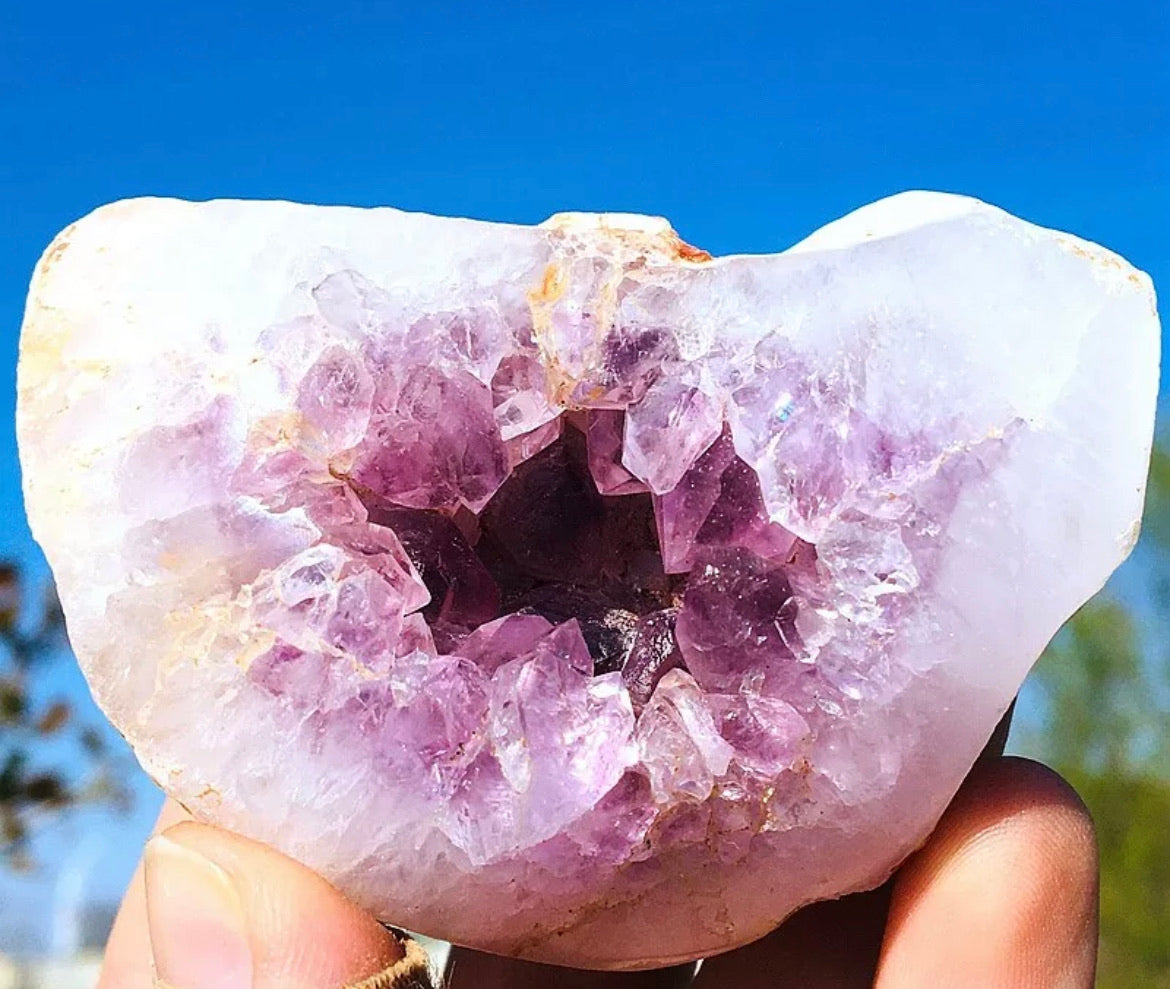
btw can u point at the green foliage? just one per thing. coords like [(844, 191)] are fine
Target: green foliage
[(32, 793), (1106, 728)]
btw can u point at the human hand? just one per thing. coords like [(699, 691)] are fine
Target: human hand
[(1003, 895)]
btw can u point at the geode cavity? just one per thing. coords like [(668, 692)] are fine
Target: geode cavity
[(561, 590)]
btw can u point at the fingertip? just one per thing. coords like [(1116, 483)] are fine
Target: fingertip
[(1015, 784), (302, 933), (126, 964), (198, 926), (1005, 891)]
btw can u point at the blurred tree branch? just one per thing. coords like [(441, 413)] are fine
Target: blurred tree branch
[(34, 793)]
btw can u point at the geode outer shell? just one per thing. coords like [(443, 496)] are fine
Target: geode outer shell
[(560, 590)]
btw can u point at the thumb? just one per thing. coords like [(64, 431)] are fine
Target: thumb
[(225, 912)]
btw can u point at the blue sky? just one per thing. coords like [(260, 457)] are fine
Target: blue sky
[(748, 125)]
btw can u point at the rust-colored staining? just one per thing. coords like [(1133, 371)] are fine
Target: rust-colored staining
[(686, 252), (541, 301), (551, 288), (625, 248), (57, 249), (543, 297), (593, 395), (644, 245), (1099, 256)]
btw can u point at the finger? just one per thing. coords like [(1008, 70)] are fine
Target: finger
[(1005, 892), (467, 969), (225, 912), (831, 945), (127, 958)]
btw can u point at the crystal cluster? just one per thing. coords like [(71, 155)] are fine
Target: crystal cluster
[(561, 590)]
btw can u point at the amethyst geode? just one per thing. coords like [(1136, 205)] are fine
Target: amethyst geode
[(561, 590)]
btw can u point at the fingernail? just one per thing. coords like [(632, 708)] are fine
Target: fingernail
[(198, 931)]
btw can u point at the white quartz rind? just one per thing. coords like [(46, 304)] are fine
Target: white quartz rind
[(939, 308)]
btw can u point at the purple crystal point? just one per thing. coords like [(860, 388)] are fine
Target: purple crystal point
[(497, 642), (667, 431), (436, 446), (679, 741), (604, 434), (539, 702), (461, 589), (738, 615), (653, 653), (717, 503), (520, 397), (767, 735), (336, 396)]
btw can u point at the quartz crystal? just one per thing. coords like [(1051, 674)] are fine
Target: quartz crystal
[(561, 590)]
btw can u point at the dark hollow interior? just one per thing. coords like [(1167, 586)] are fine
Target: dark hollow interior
[(548, 543)]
